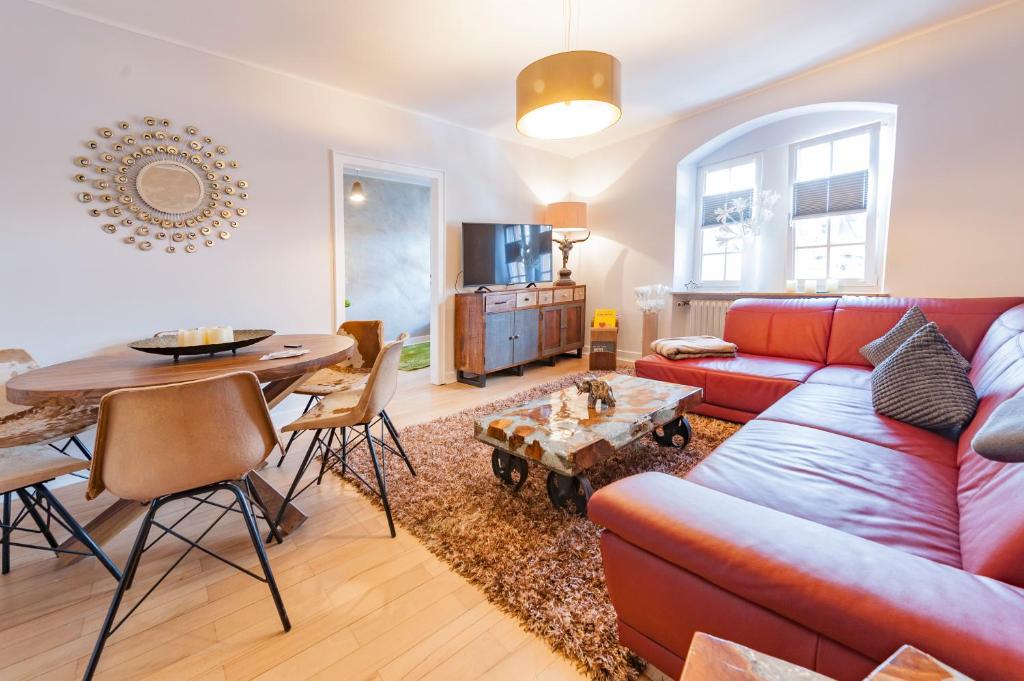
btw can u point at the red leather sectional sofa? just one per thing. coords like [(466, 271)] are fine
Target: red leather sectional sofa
[(824, 533)]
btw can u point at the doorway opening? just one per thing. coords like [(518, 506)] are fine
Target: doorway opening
[(389, 237)]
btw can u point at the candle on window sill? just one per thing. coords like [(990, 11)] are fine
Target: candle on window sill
[(832, 285), (791, 286), (810, 285)]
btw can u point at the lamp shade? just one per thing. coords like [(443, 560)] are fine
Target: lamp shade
[(569, 94), (567, 215)]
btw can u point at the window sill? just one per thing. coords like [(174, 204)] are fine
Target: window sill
[(733, 294)]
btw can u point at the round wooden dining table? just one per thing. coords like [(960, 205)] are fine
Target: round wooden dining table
[(88, 379)]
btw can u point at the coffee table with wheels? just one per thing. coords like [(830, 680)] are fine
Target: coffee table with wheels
[(562, 434)]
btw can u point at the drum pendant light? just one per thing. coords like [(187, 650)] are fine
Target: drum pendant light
[(568, 94)]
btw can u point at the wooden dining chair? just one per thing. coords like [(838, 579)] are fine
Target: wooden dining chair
[(57, 423), (24, 472), (348, 374), (358, 410), (183, 441)]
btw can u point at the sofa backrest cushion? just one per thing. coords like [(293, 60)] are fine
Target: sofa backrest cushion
[(990, 493), (859, 320), (796, 328)]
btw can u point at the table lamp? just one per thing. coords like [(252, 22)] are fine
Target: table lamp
[(568, 219)]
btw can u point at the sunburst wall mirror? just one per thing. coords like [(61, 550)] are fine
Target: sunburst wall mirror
[(154, 184)]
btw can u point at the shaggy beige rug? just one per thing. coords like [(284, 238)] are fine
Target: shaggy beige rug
[(536, 562)]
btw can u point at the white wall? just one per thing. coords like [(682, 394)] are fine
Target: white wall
[(954, 230), (72, 289)]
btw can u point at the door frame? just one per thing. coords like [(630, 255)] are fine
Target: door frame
[(340, 163)]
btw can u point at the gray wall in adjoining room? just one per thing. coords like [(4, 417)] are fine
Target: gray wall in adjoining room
[(387, 255)]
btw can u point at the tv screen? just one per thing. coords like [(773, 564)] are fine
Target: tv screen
[(505, 254)]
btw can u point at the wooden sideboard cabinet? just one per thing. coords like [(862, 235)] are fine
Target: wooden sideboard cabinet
[(509, 329)]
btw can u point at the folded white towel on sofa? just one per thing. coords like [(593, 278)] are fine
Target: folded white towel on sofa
[(689, 347)]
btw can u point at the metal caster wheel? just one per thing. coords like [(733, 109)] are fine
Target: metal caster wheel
[(511, 470), (676, 433), (571, 494)]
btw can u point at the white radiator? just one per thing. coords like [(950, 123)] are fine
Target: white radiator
[(706, 317)]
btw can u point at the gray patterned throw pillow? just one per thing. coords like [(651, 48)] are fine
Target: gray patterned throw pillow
[(1001, 438), (924, 383), (913, 319)]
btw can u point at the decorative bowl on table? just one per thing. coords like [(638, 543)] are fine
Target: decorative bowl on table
[(167, 343)]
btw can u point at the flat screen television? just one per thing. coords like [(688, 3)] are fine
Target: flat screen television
[(505, 254)]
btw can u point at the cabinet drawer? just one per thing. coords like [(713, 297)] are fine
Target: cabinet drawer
[(526, 299), (544, 297), (563, 295), (500, 303), (579, 293)]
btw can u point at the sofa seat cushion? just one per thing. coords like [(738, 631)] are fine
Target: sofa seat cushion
[(904, 502), (848, 411), (749, 383), (845, 375)]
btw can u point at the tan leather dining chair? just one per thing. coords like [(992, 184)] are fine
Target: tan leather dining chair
[(347, 374), (24, 472), (183, 441), (358, 410)]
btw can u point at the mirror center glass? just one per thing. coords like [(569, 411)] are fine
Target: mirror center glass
[(170, 187)]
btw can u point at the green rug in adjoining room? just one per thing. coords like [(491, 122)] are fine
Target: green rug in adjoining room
[(416, 356)]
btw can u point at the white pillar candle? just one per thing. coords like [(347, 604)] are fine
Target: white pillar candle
[(791, 286), (221, 334), (194, 337), (831, 285), (181, 338), (810, 285)]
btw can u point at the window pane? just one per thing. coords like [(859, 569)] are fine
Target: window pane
[(813, 232), (733, 263), (847, 262), (742, 177), (716, 182), (810, 263), (849, 229), (712, 268), (709, 241), (851, 153), (812, 162)]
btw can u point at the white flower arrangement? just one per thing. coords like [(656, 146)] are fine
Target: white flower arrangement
[(732, 221), (651, 298)]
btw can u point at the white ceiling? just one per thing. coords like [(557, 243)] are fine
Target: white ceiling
[(458, 59)]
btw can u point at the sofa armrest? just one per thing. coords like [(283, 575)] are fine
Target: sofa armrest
[(869, 597)]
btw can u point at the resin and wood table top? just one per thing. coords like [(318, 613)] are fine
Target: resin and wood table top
[(89, 378), (562, 433)]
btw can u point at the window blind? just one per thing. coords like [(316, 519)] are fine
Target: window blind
[(716, 201), (831, 195)]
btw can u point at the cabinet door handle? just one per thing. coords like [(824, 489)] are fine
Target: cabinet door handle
[(515, 336)]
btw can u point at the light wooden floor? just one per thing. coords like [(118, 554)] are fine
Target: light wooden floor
[(362, 605)]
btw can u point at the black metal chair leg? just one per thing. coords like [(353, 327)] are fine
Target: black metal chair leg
[(344, 450), (275, 531), (257, 543), (298, 478), (380, 480), (30, 507), (129, 573), (295, 434), (398, 443), (81, 447), (325, 457), (78, 531), (6, 538)]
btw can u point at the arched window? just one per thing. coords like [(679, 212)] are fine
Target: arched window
[(798, 199)]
